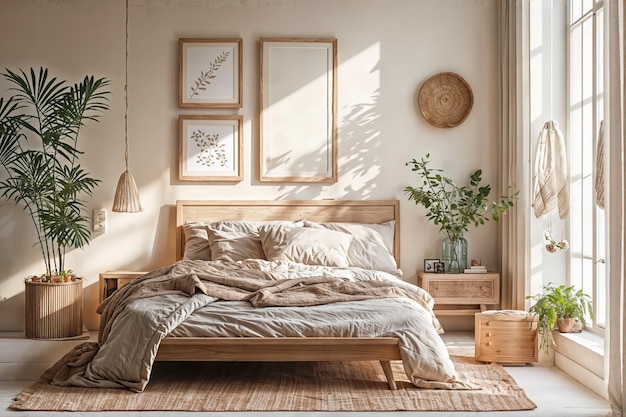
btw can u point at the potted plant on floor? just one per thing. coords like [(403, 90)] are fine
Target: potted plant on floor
[(563, 306), (454, 208), (39, 128)]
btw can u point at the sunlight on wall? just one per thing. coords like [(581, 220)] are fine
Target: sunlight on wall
[(359, 109), (386, 49)]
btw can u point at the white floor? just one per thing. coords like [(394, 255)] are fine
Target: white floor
[(555, 393)]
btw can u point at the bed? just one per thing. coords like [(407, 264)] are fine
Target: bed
[(287, 303), (383, 349)]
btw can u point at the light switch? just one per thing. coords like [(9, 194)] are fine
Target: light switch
[(100, 220)]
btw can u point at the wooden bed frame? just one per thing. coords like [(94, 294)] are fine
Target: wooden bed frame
[(383, 349)]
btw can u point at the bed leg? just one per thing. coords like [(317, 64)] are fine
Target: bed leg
[(389, 374)]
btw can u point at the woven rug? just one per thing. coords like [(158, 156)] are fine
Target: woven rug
[(284, 386)]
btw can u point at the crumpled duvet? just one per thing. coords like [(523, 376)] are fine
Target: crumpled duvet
[(256, 298)]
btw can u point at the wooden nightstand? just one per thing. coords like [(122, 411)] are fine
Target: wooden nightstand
[(507, 336), (112, 280), (461, 294)]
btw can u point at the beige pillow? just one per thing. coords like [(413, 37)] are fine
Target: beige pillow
[(234, 246), (305, 245), (196, 241), (197, 245), (371, 246)]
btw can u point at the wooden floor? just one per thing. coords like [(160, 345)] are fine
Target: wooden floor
[(555, 393)]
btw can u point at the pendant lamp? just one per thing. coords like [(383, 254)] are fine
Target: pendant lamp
[(126, 195)]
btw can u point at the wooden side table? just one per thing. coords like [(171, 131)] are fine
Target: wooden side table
[(461, 294), (506, 336), (111, 281)]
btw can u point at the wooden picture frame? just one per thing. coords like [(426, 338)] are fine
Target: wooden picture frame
[(210, 73), (298, 110), (210, 148)]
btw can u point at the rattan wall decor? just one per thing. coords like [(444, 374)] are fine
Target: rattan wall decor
[(445, 100)]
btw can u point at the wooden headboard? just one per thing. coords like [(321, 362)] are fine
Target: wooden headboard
[(354, 211)]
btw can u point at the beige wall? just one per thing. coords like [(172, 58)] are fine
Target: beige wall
[(386, 49)]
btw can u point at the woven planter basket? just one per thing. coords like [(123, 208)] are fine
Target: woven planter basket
[(445, 100), (54, 310)]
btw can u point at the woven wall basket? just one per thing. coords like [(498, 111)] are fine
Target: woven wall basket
[(445, 100)]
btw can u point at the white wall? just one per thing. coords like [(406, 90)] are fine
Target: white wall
[(386, 49)]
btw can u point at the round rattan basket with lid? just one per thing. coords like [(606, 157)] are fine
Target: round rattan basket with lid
[(445, 100)]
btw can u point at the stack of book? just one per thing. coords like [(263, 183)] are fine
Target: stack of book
[(476, 269)]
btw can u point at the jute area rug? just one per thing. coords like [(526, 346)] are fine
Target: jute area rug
[(284, 386)]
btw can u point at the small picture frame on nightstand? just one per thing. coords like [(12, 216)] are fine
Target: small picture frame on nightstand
[(429, 265), (439, 267)]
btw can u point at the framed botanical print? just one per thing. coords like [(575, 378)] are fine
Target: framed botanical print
[(210, 72), (210, 148)]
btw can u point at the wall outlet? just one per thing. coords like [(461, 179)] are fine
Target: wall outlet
[(100, 220)]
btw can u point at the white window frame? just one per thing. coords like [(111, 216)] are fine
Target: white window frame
[(587, 222)]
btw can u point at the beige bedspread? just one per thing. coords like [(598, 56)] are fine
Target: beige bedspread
[(137, 317)]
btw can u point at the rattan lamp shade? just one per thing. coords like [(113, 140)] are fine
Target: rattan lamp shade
[(126, 195), (445, 100)]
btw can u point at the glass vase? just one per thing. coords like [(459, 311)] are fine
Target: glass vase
[(454, 254)]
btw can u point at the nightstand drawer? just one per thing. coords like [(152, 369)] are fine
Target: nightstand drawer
[(123, 281), (111, 281), (453, 289), (506, 327)]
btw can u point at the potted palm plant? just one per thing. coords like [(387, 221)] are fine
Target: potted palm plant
[(563, 306), (39, 128), (454, 208)]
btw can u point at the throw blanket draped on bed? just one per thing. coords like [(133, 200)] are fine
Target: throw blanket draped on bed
[(139, 315)]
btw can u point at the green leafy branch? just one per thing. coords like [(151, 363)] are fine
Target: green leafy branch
[(451, 207)]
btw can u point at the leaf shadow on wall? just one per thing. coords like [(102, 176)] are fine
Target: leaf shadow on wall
[(358, 156)]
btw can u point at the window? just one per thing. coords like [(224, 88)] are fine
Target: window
[(587, 217)]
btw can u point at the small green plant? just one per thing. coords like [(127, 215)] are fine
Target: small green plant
[(558, 303)]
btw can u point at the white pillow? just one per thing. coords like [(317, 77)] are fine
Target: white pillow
[(305, 245), (371, 246)]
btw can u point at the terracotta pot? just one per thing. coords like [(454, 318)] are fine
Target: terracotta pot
[(566, 325)]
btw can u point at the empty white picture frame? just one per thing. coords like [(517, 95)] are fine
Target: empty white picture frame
[(298, 110)]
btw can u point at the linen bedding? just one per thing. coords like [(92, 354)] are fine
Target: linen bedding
[(235, 294)]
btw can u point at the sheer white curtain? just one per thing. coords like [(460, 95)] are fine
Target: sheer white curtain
[(616, 134), (514, 128)]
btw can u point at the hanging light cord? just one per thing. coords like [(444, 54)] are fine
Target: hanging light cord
[(126, 93), (126, 195)]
